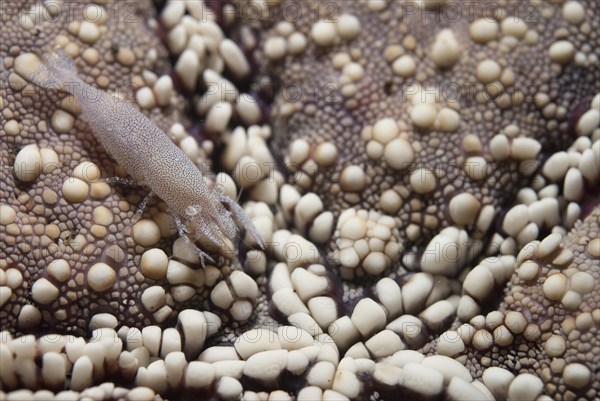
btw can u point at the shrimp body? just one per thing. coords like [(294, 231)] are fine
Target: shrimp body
[(151, 158)]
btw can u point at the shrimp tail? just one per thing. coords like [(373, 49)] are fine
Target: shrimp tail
[(58, 71)]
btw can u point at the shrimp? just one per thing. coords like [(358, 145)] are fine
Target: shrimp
[(151, 159)]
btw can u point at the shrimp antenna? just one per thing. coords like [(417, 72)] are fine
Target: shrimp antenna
[(239, 195)]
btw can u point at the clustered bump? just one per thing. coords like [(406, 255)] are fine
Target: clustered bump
[(427, 190)]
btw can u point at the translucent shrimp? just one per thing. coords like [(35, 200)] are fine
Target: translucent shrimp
[(151, 159)]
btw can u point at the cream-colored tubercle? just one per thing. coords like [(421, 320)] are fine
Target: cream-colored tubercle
[(152, 159)]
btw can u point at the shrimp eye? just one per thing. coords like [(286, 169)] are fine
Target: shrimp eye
[(191, 211)]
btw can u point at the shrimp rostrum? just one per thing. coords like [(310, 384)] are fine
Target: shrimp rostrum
[(150, 157)]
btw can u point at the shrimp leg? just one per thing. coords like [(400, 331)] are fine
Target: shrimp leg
[(183, 233), (242, 218)]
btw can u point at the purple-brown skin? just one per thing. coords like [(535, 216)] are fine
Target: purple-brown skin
[(338, 119), (568, 86), (323, 113), (69, 226)]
